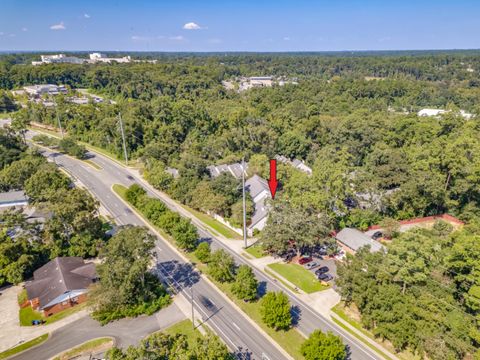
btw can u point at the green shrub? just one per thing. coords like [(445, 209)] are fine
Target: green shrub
[(203, 252)]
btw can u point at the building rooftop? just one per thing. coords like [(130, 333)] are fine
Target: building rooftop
[(11, 198), (355, 240), (61, 275), (255, 185)]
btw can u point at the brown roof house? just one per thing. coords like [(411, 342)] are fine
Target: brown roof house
[(60, 284)]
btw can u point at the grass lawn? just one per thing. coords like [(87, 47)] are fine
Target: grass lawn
[(183, 327), (24, 346), (90, 346), (290, 340), (214, 224), (299, 276), (27, 314), (256, 251)]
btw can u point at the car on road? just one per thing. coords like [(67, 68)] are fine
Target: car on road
[(322, 270), (377, 235), (304, 260), (325, 277), (311, 265)]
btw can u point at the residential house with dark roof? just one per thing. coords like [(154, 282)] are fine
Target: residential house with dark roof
[(60, 284)]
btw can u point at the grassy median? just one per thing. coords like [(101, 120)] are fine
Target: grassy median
[(95, 345)]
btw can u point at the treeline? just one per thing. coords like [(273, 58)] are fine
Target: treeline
[(69, 225), (422, 295)]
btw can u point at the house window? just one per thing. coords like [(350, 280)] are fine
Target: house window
[(64, 302), (75, 298)]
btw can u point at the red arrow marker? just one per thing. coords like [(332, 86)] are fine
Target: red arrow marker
[(272, 182)]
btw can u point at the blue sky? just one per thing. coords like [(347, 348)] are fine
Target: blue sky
[(261, 25)]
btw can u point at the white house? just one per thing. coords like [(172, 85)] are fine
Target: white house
[(259, 191)]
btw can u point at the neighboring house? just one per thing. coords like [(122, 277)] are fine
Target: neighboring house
[(351, 240), (233, 169), (13, 199), (425, 222), (261, 81), (60, 284), (49, 89), (296, 163), (259, 191)]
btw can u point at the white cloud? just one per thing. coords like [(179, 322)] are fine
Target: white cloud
[(192, 26), (176, 38), (2, 33), (86, 16), (24, 29), (286, 38), (140, 38), (60, 26), (12, 35)]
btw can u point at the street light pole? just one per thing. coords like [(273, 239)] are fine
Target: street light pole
[(244, 205), (58, 120)]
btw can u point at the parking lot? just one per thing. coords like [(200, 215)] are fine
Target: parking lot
[(325, 261)]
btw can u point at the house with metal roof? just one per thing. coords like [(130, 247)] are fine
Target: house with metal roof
[(235, 170), (351, 240), (296, 163), (60, 284)]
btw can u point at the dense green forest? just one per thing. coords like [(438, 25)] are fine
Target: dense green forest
[(352, 118), (67, 222)]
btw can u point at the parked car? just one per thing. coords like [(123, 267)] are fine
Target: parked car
[(377, 235), (304, 260), (322, 270), (325, 277), (311, 265)]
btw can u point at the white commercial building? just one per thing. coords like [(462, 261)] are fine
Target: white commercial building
[(58, 59), (438, 112), (99, 57)]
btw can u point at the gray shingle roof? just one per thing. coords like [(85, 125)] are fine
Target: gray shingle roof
[(59, 276), (255, 185), (355, 239)]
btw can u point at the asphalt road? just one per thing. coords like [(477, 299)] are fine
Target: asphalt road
[(237, 332), (125, 332), (234, 329)]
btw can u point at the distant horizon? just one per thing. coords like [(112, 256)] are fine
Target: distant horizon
[(234, 51)]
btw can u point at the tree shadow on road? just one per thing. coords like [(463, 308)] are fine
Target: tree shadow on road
[(178, 275)]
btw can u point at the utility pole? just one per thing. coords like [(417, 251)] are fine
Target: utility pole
[(123, 137), (58, 120), (244, 205), (191, 298)]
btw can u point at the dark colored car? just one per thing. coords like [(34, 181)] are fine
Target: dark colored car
[(377, 235), (322, 270), (304, 260), (325, 277), (311, 265)]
